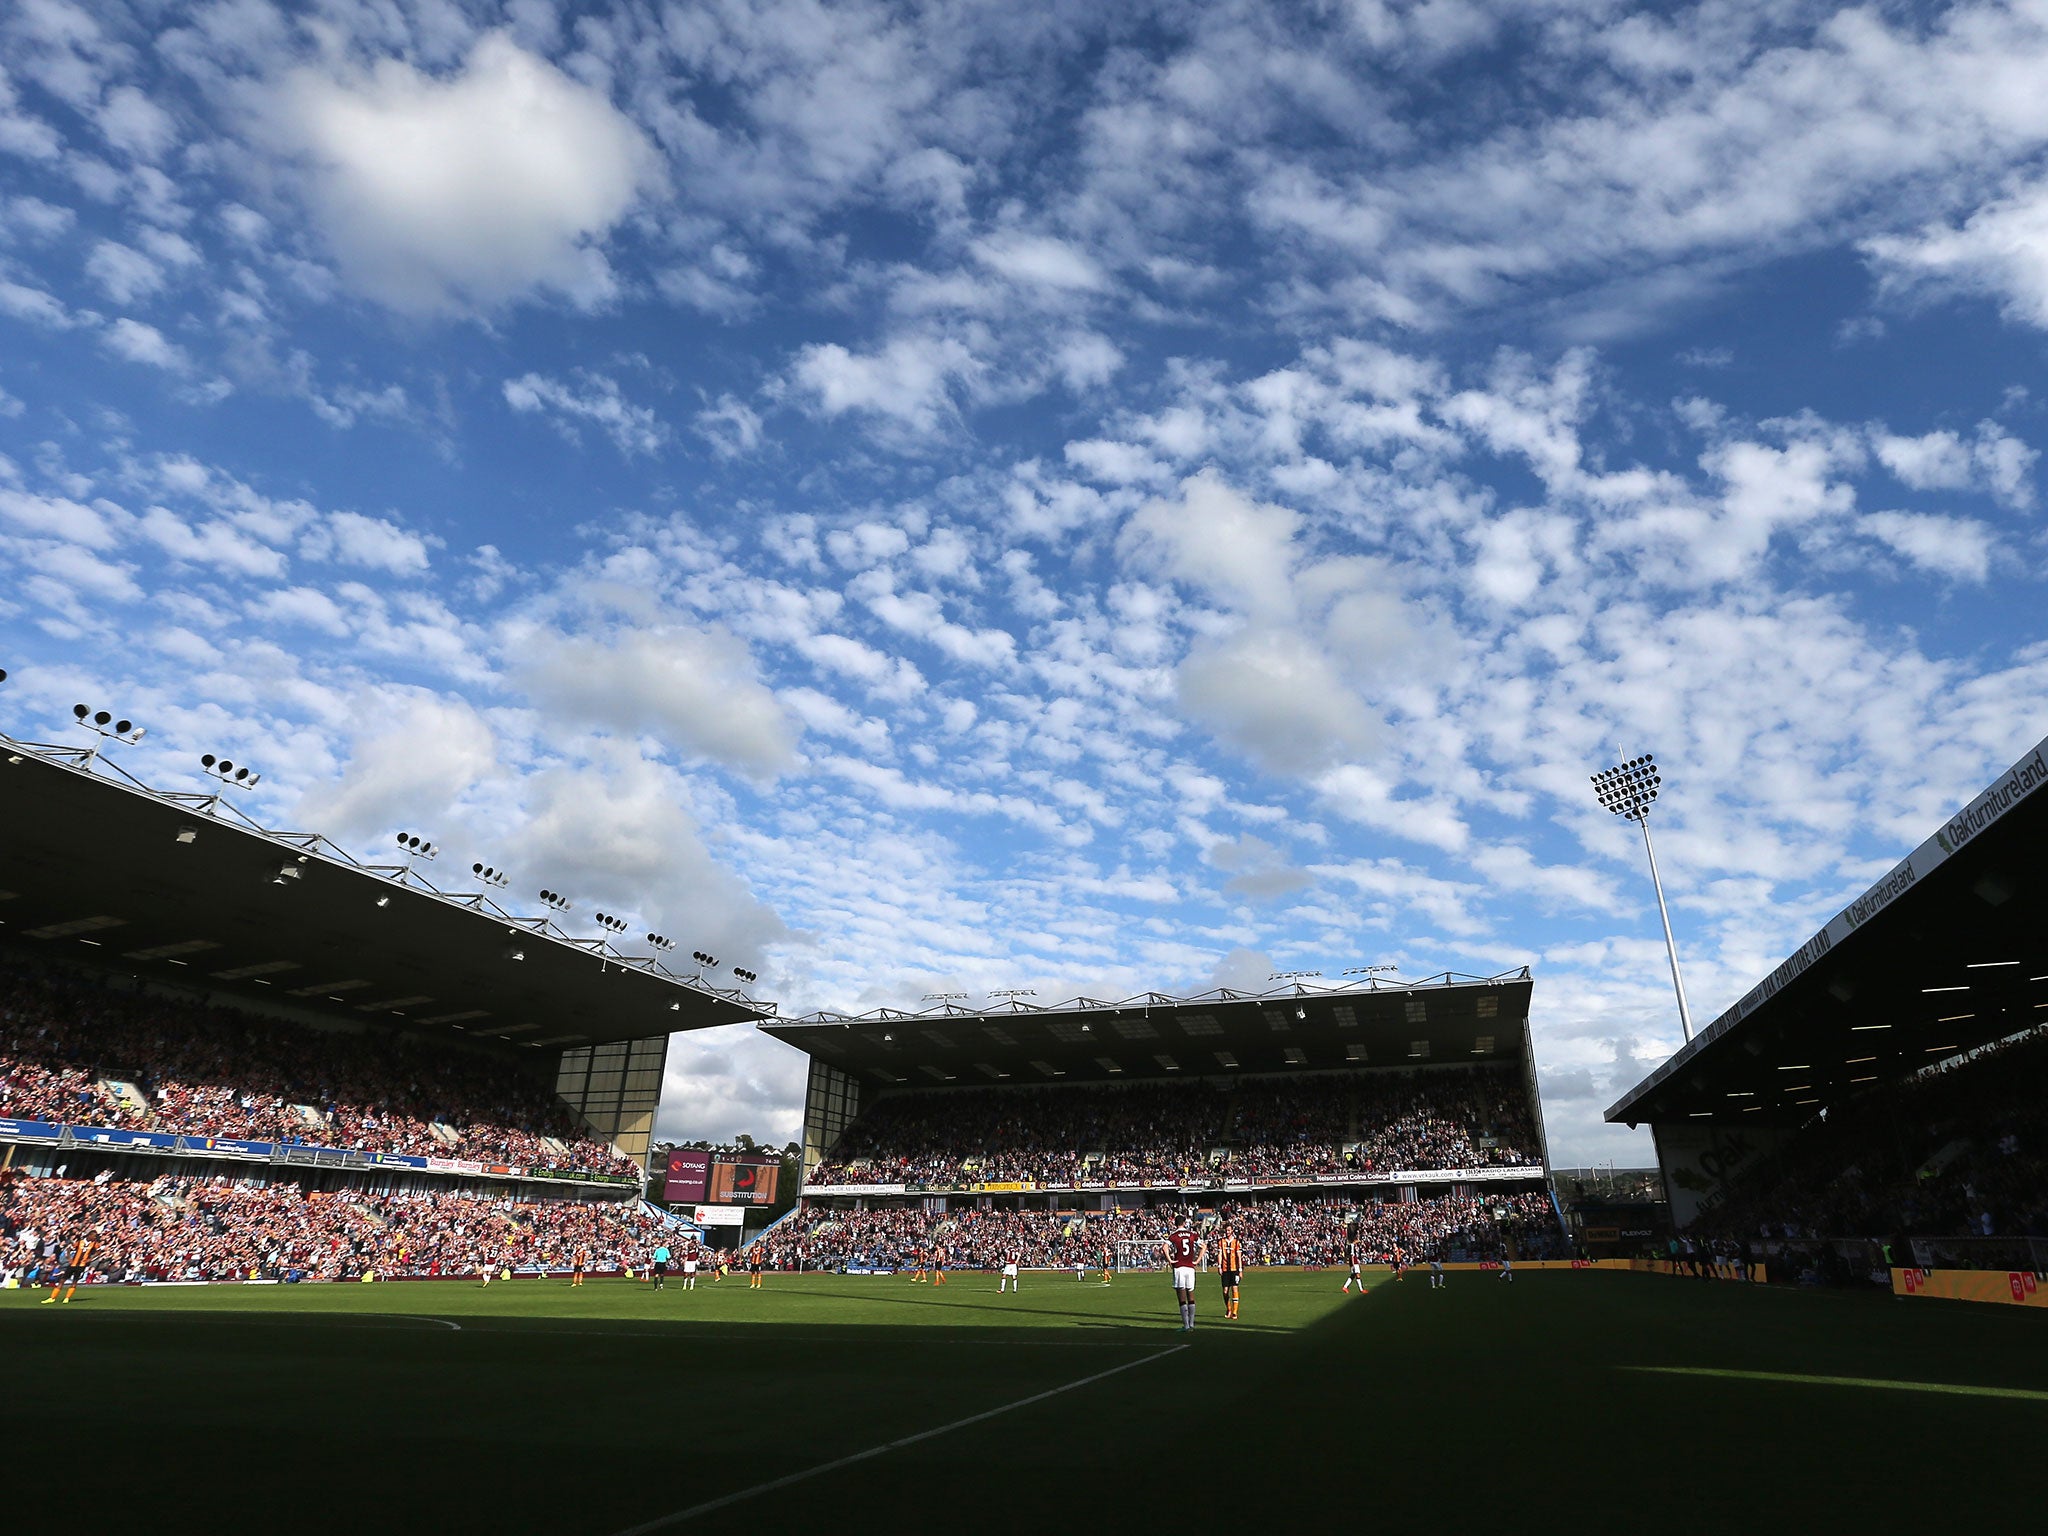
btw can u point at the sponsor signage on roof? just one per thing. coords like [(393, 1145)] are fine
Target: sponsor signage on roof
[(2012, 787)]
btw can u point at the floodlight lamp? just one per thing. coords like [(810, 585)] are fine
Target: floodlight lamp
[(383, 901), (188, 834), (101, 717)]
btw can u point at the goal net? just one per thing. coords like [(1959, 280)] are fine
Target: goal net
[(1135, 1253)]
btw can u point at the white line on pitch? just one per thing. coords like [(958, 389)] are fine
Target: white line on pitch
[(661, 1522)]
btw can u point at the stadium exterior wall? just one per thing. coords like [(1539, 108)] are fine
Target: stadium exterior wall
[(616, 1088), (832, 1101), (1698, 1160)]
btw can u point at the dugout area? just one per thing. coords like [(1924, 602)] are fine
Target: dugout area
[(1566, 1397)]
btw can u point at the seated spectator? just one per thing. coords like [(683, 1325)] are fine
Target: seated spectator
[(215, 1072)]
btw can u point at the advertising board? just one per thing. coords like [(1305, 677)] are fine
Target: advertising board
[(737, 1179), (687, 1175), (719, 1215)]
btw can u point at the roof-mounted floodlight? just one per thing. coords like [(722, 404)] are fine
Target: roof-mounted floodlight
[(234, 775), (746, 975), (661, 942), (417, 847), (103, 724), (611, 923), (490, 876), (555, 899)]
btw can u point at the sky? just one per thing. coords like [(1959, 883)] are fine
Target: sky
[(925, 498)]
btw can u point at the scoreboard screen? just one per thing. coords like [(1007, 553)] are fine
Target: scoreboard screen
[(687, 1176), (739, 1180)]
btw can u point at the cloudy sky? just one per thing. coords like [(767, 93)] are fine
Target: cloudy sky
[(921, 498)]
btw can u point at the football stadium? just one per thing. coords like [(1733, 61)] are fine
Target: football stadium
[(339, 1187)]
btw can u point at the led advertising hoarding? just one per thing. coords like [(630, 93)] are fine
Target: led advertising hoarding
[(741, 1180), (689, 1171)]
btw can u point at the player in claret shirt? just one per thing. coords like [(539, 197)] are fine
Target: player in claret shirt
[(1184, 1254)]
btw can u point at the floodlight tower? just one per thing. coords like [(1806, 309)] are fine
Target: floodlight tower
[(1629, 790)]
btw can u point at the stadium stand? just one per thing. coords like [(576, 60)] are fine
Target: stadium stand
[(175, 1228), (77, 1053), (1959, 1151), (1265, 1131), (1313, 1232), (1314, 1120)]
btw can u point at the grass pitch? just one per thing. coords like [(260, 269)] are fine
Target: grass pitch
[(1580, 1397)]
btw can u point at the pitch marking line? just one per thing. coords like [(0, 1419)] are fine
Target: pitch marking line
[(2023, 1393), (662, 1522)]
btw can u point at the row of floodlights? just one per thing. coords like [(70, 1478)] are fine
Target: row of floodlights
[(102, 722), (229, 772)]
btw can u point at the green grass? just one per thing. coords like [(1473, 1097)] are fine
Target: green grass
[(1570, 1396)]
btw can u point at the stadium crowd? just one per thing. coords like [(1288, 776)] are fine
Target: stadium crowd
[(1959, 1151), (1189, 1133), (1306, 1232), (195, 1070), (239, 1229)]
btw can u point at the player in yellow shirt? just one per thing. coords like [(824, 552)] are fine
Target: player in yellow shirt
[(82, 1249), (1230, 1269)]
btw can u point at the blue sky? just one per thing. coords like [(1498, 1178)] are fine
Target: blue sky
[(920, 498)]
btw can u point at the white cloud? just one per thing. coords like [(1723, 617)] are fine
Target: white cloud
[(122, 273), (350, 538), (1277, 698), (732, 427), (131, 122), (909, 382), (1946, 461), (594, 399), (470, 191), (215, 544), (1040, 260), (145, 344), (697, 690), (1219, 540), (33, 305), (1955, 547), (1999, 252)]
